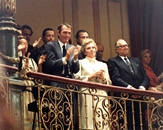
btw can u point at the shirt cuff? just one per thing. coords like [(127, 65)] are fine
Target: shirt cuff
[(64, 61), (129, 86), (142, 87)]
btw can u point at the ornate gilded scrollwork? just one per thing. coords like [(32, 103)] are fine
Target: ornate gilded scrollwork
[(38, 81), (56, 109), (156, 115), (108, 114), (4, 109), (4, 93)]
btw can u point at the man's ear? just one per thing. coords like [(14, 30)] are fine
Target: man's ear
[(42, 38), (116, 50), (57, 32)]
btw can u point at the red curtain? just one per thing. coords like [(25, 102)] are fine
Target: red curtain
[(146, 30)]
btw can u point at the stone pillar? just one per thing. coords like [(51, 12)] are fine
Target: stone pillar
[(8, 31)]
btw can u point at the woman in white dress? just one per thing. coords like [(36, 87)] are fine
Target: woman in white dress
[(93, 108)]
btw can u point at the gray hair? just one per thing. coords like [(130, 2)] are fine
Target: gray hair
[(85, 42)]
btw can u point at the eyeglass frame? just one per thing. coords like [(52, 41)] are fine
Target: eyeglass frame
[(122, 46)]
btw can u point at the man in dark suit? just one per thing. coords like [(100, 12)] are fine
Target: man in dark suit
[(56, 62), (62, 60), (128, 72)]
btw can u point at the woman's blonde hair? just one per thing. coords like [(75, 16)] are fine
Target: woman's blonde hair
[(143, 52), (86, 42)]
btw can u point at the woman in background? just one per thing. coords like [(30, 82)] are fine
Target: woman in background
[(91, 106), (145, 56)]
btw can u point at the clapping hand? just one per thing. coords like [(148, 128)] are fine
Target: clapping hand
[(69, 52), (21, 47), (42, 59), (98, 74), (36, 42), (77, 51)]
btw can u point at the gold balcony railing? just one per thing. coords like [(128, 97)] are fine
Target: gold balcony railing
[(86, 105)]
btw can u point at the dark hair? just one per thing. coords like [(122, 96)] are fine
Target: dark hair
[(61, 25), (46, 29), (70, 41), (27, 27), (78, 32)]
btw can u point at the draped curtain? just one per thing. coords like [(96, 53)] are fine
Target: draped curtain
[(146, 30)]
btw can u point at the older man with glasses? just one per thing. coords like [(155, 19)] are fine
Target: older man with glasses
[(128, 72)]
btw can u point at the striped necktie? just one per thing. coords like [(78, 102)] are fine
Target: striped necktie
[(129, 65)]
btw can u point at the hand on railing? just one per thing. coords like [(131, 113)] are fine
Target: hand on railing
[(134, 96)]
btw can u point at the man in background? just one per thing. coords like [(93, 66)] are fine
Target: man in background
[(27, 32), (100, 51), (80, 35)]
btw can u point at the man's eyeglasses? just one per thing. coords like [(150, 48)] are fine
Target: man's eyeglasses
[(123, 46)]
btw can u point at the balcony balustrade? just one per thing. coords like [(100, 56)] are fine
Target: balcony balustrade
[(74, 109)]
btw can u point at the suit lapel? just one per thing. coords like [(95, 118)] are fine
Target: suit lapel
[(58, 49), (134, 65), (123, 65)]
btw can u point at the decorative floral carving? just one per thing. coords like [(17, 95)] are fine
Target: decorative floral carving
[(7, 8)]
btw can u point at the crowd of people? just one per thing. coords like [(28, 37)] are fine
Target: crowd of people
[(84, 62)]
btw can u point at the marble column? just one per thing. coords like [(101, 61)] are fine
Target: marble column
[(8, 32)]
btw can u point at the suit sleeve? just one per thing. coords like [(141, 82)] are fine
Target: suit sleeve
[(53, 61), (75, 66)]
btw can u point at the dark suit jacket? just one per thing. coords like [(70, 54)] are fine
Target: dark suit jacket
[(33, 52), (121, 75), (54, 64)]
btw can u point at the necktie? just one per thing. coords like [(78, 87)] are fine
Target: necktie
[(129, 65), (65, 67), (64, 50)]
